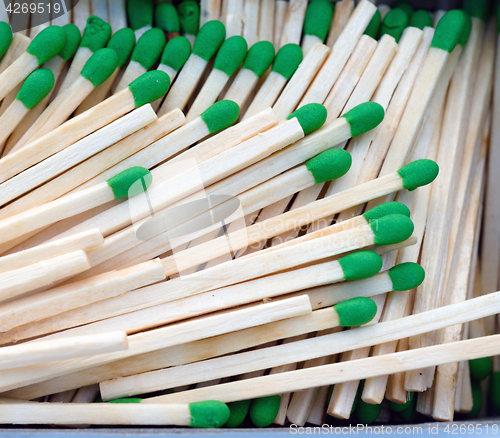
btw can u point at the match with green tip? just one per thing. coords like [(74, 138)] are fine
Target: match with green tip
[(239, 411), (449, 30), (365, 413), (124, 184), (36, 87), (391, 229), (394, 24), (360, 265), (123, 43), (5, 37), (494, 391), (221, 115), (398, 407), (311, 117), (148, 49), (73, 38), (189, 17), (385, 209), (126, 400), (47, 44), (421, 19), (374, 25), (259, 58), (100, 66), (477, 8), (208, 414), (263, 410), (140, 13), (409, 413), (166, 17), (406, 7), (418, 173), (287, 60), (209, 39), (318, 18), (356, 311), (364, 117), (467, 30), (150, 86), (406, 276), (176, 53), (480, 368), (231, 54), (329, 165), (477, 400), (96, 34)]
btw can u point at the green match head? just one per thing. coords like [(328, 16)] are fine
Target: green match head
[(239, 411), (477, 400), (189, 17), (311, 117), (36, 86), (390, 229), (374, 25), (5, 37), (140, 13), (421, 19), (418, 173), (385, 209), (149, 47), (449, 30), (210, 37), (356, 311), (166, 17), (394, 23), (480, 368), (122, 42), (220, 115), (364, 117), (406, 276), (130, 182), (467, 30), (366, 413), (126, 400), (318, 17), (494, 394), (259, 58), (176, 52), (477, 8), (208, 414), (47, 44), (360, 265), (231, 54), (96, 34), (398, 407), (329, 165), (73, 38), (263, 410), (100, 66), (150, 86), (287, 60), (406, 7)]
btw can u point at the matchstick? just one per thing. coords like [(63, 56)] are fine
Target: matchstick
[(81, 14), (234, 18), (394, 23), (280, 8), (140, 16), (251, 11), (99, 8), (294, 20), (317, 22), (86, 394), (209, 10), (167, 19), (341, 14), (117, 15), (17, 48), (189, 18)]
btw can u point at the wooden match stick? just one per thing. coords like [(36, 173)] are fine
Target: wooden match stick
[(341, 14), (81, 14), (17, 48), (189, 18), (251, 11), (279, 14), (233, 19), (209, 10), (99, 8), (117, 15), (140, 16), (317, 22)]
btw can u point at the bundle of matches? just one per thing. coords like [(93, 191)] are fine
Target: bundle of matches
[(224, 213)]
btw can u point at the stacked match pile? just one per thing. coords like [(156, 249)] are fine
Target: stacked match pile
[(224, 212)]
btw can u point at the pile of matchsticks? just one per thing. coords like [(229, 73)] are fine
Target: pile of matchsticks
[(224, 213)]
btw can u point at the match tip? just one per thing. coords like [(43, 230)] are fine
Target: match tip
[(36, 86), (5, 37), (149, 48), (374, 25), (47, 44), (406, 7), (406, 276), (421, 19), (480, 368), (150, 86), (394, 23), (356, 311), (176, 52), (130, 182), (366, 413), (211, 35), (360, 265), (386, 208), (418, 173), (399, 407), (449, 30), (311, 117), (122, 42), (263, 410), (73, 38), (126, 400), (318, 17), (208, 414), (238, 413), (189, 17), (477, 8), (96, 34), (364, 117), (287, 60), (231, 54), (221, 115), (495, 391), (100, 66), (259, 58), (391, 229), (329, 165), (140, 13), (467, 30), (166, 17)]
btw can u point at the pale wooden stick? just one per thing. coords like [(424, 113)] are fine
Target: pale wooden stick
[(266, 19), (251, 22), (17, 47), (9, 120), (280, 12), (384, 9), (209, 10), (292, 27), (342, 13), (99, 8), (234, 18), (16, 72), (63, 397), (81, 13), (86, 394)]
